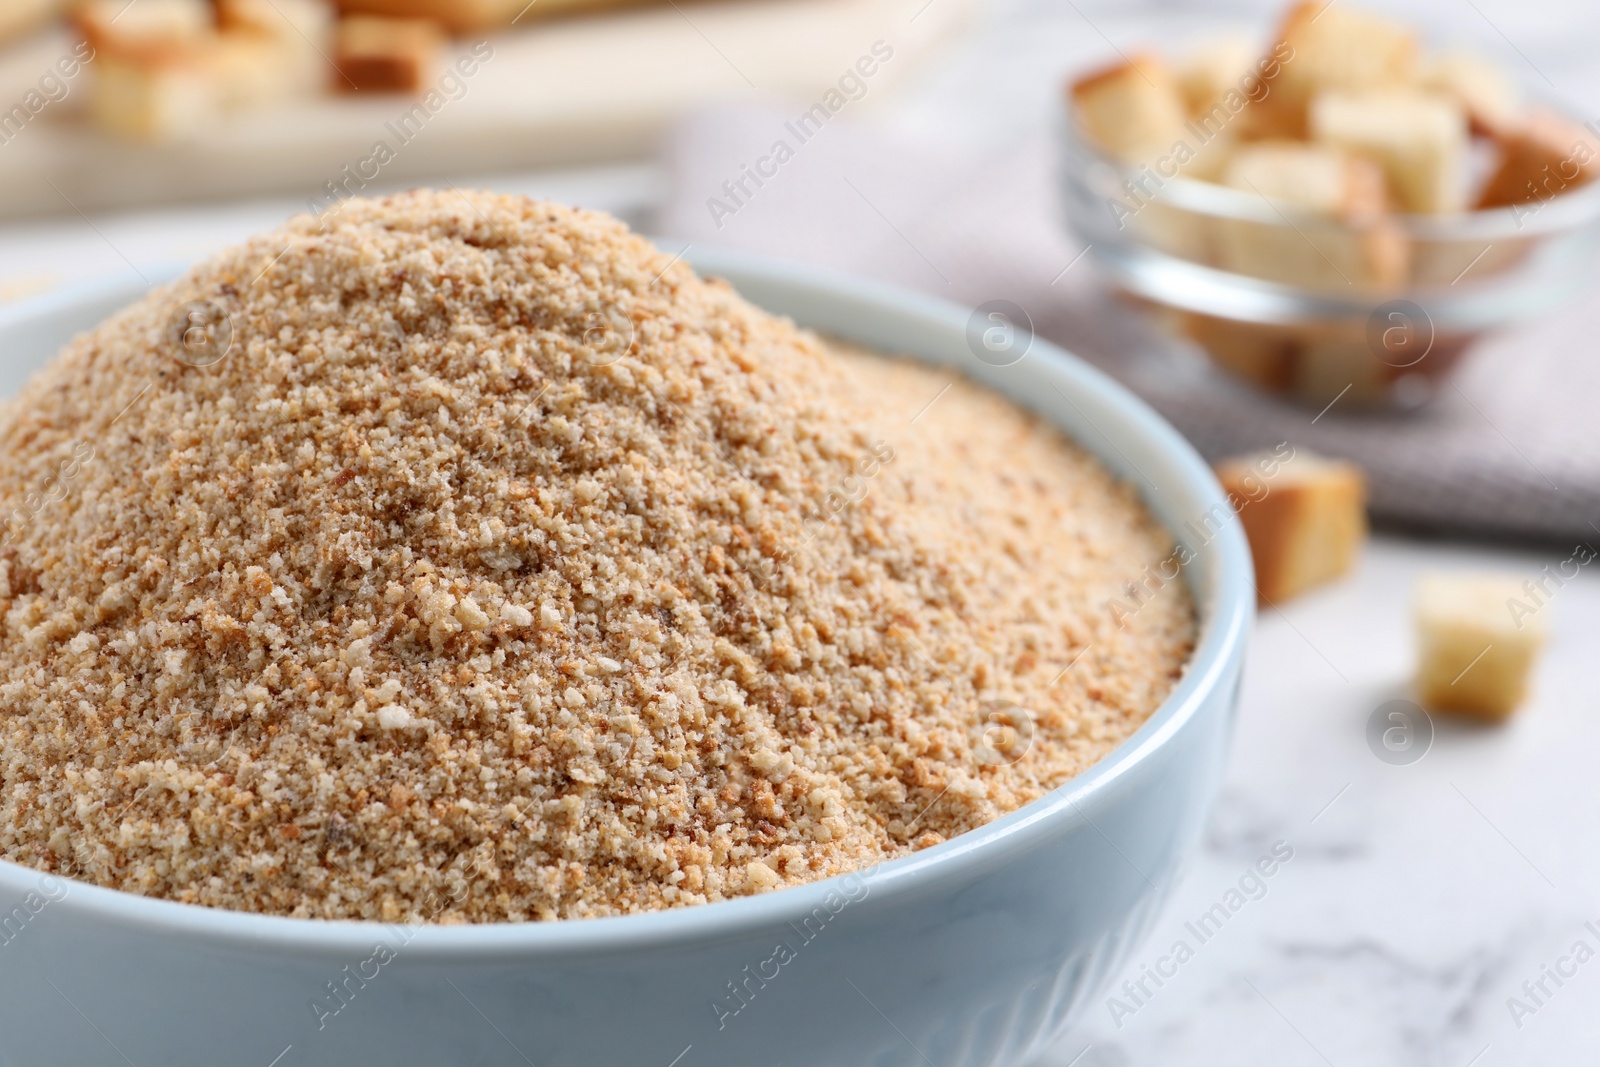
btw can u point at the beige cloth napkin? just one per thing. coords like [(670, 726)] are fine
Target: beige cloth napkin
[(1510, 448)]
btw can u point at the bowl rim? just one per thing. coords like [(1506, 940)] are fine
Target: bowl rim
[(1226, 612)]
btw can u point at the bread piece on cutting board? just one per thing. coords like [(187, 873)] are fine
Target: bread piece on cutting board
[(164, 100), (476, 16), (21, 17), (153, 77), (386, 55), (173, 69), (150, 30), (301, 31)]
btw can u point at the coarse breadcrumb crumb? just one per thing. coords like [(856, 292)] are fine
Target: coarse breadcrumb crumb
[(503, 569)]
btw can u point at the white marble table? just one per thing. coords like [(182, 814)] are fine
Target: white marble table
[(1419, 897)]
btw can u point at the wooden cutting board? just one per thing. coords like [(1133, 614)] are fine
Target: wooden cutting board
[(569, 91)]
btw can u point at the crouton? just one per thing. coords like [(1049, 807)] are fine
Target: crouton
[(1305, 519), (1262, 355), (387, 55), (1337, 46), (252, 71), (170, 69), (154, 77), (1543, 156), (1475, 650), (1349, 240), (300, 35), (1310, 177), (1132, 111), (1332, 46), (1213, 70), (1419, 138), (1489, 98), (1340, 365), (155, 98), (21, 17), (151, 31)]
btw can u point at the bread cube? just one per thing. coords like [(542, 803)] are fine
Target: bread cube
[(1358, 244), (165, 71), (1262, 355), (1166, 222), (251, 71), (1305, 517), (1543, 156), (1226, 85), (1337, 46), (153, 78), (1475, 649), (1132, 111), (380, 55), (1333, 46), (1419, 138), (21, 17), (1310, 177), (1208, 73), (1316, 363), (154, 99), (1340, 365), (151, 31), (301, 30), (1211, 158), (1489, 98)]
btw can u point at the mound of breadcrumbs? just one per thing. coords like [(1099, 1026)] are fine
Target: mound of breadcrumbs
[(504, 569)]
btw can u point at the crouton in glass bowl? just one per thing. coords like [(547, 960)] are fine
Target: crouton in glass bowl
[(1336, 214)]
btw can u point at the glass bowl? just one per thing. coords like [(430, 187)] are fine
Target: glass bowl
[(1270, 294)]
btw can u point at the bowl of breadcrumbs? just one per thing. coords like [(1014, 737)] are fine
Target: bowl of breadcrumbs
[(440, 627)]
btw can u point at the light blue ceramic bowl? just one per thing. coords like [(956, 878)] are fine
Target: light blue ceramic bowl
[(973, 952)]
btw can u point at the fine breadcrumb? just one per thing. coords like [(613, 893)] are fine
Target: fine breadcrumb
[(502, 569)]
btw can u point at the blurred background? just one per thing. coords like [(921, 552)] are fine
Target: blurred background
[(925, 143)]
